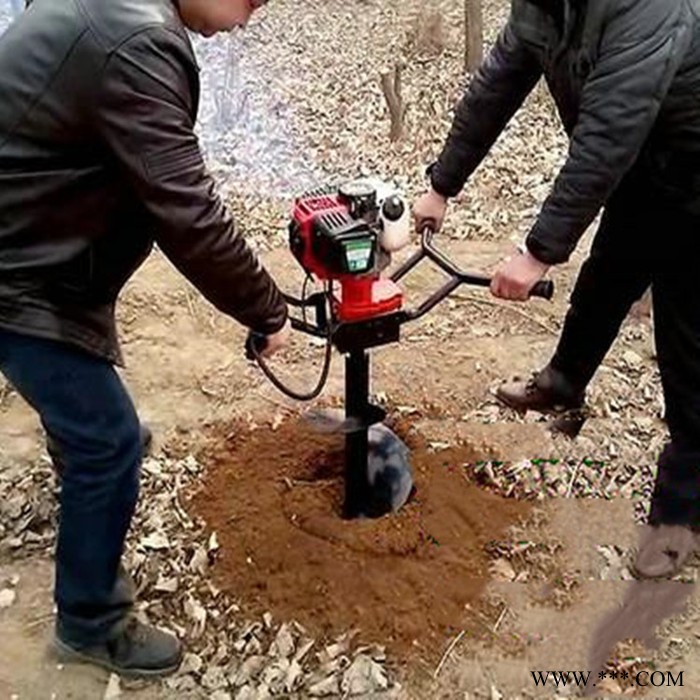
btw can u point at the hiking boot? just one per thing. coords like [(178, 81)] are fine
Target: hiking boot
[(136, 651), (664, 550), (52, 448), (550, 393), (569, 422)]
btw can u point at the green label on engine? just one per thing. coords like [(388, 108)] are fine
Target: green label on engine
[(358, 255)]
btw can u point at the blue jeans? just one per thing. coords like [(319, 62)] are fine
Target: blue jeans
[(88, 414)]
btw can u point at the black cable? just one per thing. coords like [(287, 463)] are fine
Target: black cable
[(298, 396), (303, 297)]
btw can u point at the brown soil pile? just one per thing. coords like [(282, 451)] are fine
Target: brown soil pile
[(274, 499)]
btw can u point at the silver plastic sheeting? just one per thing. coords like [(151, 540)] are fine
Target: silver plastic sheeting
[(246, 129)]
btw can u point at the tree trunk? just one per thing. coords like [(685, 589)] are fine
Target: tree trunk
[(391, 87), (473, 35)]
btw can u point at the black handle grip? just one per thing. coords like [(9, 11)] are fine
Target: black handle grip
[(427, 224), (255, 345), (544, 289)]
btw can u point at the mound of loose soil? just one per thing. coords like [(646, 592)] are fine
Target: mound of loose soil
[(274, 499)]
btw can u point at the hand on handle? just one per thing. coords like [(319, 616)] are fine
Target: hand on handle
[(517, 276), (534, 286), (429, 211), (266, 345)]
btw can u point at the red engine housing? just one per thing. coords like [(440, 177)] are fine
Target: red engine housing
[(361, 296), (360, 299)]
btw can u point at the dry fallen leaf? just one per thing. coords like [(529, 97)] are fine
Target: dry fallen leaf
[(328, 686), (191, 663), (199, 561), (113, 689), (502, 570), (166, 585), (249, 670), (197, 614), (283, 644), (220, 695), (7, 597), (156, 540), (213, 545), (364, 676)]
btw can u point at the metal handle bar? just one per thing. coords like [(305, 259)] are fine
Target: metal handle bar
[(543, 289)]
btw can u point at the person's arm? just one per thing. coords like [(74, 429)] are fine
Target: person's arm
[(144, 114), (507, 75), (642, 45)]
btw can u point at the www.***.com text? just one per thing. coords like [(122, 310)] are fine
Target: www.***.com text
[(656, 679)]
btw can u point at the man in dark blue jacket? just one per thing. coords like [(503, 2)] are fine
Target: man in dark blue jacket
[(625, 76)]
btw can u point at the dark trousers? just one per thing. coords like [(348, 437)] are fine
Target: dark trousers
[(643, 241), (91, 420)]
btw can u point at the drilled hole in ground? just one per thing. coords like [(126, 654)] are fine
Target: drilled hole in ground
[(405, 580)]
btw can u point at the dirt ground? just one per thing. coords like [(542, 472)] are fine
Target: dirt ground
[(559, 594), (186, 368), (274, 498)]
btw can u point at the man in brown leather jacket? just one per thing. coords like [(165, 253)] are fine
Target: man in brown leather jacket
[(99, 162)]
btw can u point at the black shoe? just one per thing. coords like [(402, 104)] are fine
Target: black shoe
[(569, 422), (52, 448), (136, 651), (547, 392)]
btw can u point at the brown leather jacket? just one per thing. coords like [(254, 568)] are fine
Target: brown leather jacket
[(99, 161)]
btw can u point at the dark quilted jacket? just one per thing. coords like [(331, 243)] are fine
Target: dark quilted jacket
[(625, 75)]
